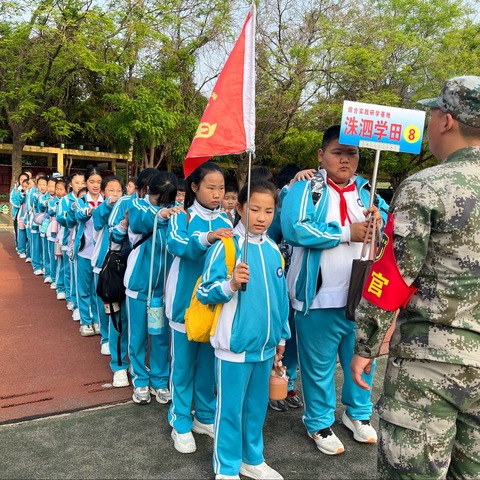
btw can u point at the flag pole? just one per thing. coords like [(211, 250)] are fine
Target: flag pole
[(247, 214), (374, 178)]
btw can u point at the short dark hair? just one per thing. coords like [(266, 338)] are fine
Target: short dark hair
[(261, 173), (332, 133), (111, 178), (286, 174), (467, 131), (256, 186), (91, 171), (41, 177), (196, 177), (231, 186), (181, 185), (144, 178)]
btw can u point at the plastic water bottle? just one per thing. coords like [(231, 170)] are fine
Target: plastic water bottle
[(156, 316)]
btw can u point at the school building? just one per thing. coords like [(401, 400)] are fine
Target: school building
[(58, 159)]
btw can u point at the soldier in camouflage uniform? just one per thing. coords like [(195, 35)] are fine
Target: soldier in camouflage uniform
[(430, 407)]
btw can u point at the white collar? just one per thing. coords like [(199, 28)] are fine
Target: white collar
[(252, 237), (203, 212)]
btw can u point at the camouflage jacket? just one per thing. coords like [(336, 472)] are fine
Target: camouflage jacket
[(437, 247)]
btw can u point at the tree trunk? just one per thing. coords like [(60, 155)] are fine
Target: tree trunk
[(242, 169), (18, 144)]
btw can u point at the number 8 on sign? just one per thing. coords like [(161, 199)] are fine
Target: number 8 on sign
[(411, 134)]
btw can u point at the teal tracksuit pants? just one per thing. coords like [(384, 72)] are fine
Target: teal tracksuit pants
[(37, 251), (46, 257), (242, 399), (321, 335), (86, 295), (22, 240), (28, 245), (113, 336), (158, 373), (192, 379)]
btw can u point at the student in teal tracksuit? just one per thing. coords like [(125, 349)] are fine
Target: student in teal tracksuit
[(111, 190), (83, 251), (251, 331), (159, 202), (66, 218), (324, 219), (33, 204), (125, 239), (43, 205), (15, 202), (190, 236), (28, 218), (55, 239)]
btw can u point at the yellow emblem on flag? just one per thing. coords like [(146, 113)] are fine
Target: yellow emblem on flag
[(377, 283), (205, 130)]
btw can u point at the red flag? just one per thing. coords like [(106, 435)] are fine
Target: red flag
[(228, 123)]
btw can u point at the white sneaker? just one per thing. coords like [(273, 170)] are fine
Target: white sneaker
[(362, 430), (262, 471), (327, 442), (105, 348), (22, 255), (76, 316), (61, 296), (96, 328), (120, 379), (28, 260), (163, 395), (47, 280), (219, 476), (38, 271), (183, 442), (203, 428), (86, 330), (70, 306), (53, 286), (141, 395)]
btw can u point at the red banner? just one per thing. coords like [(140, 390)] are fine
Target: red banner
[(385, 286), (228, 123)]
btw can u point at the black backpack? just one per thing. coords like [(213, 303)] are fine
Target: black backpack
[(111, 290), (110, 286), (110, 279)]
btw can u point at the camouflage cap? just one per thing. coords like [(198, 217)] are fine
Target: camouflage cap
[(460, 96)]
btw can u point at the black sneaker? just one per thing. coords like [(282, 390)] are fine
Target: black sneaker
[(293, 400), (278, 405)]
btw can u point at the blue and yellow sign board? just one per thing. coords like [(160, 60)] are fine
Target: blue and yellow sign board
[(381, 127)]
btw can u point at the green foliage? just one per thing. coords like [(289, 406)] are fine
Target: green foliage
[(127, 74)]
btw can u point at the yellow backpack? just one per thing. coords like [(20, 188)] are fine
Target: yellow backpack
[(201, 320)]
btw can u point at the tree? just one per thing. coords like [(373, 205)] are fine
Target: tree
[(158, 111), (39, 59)]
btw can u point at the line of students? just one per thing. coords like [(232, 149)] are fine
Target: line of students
[(225, 381)]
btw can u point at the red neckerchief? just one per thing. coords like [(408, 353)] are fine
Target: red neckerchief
[(343, 203), (94, 204)]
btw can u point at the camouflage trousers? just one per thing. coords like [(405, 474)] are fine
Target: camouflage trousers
[(429, 421)]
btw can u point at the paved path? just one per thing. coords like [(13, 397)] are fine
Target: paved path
[(50, 373), (47, 367)]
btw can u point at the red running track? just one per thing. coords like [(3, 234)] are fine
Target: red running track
[(47, 367)]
